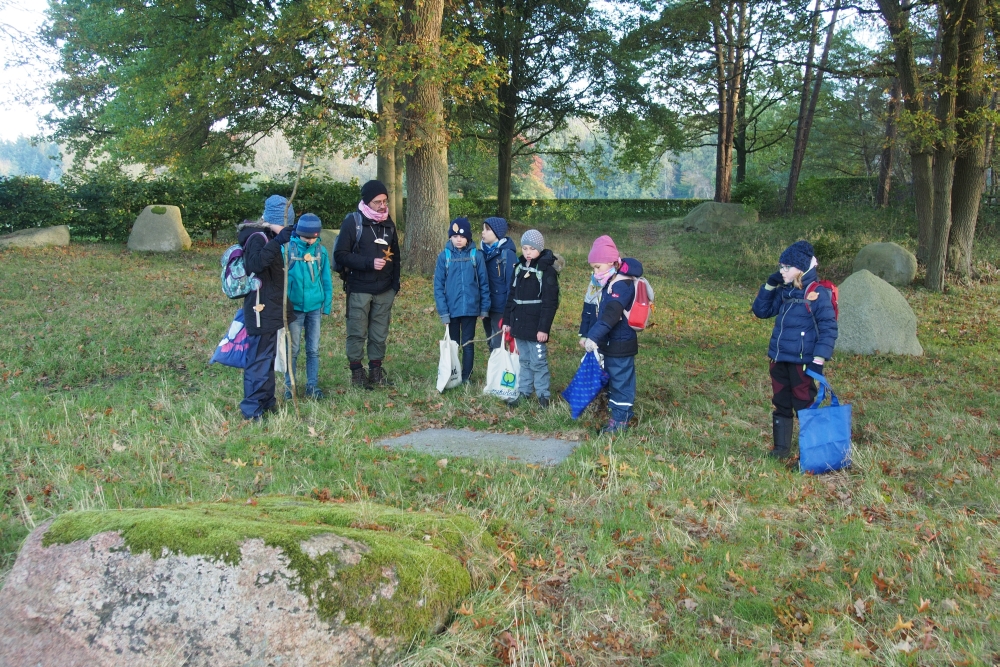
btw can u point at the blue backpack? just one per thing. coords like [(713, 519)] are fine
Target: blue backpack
[(236, 282)]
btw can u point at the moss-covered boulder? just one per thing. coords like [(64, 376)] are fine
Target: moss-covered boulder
[(36, 237), (712, 217), (875, 318), (889, 261), (159, 229), (282, 581)]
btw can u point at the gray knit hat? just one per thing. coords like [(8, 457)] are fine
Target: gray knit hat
[(534, 238)]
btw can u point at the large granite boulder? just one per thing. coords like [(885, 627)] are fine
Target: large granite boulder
[(284, 581), (875, 318), (889, 261), (159, 229), (712, 217), (328, 238), (36, 237)]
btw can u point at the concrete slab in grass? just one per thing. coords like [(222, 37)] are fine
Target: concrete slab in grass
[(477, 445)]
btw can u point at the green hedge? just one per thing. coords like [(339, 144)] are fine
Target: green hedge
[(103, 204), (573, 210)]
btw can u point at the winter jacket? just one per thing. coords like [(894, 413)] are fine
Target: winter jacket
[(533, 297), (461, 287), (610, 328), (309, 284), (361, 275), (500, 261), (799, 335), (263, 258)]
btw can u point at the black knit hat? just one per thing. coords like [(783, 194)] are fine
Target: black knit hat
[(799, 255), (372, 189)]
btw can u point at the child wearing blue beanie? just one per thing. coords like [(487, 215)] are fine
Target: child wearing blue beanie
[(501, 256), (804, 334)]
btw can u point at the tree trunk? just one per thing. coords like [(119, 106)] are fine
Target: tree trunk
[(729, 70), (889, 150), (424, 122), (971, 162), (740, 143), (386, 149), (399, 162), (806, 120), (944, 153)]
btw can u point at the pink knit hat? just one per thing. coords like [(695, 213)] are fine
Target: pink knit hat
[(604, 251)]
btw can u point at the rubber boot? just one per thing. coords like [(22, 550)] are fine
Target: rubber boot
[(782, 427)]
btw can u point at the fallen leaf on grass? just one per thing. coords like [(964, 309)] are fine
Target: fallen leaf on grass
[(689, 604), (900, 625), (464, 610), (949, 605), (924, 605), (859, 608), (442, 463)]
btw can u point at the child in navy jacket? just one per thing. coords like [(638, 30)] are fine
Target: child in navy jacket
[(461, 289), (805, 332), (501, 256), (604, 326)]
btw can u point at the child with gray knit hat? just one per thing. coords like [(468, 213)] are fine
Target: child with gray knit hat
[(531, 308)]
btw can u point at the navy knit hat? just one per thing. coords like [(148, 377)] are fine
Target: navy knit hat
[(372, 189), (498, 225), (460, 227), (534, 238), (309, 226), (274, 208), (799, 255)]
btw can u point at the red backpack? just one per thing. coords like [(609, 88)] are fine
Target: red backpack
[(834, 293), (642, 305)]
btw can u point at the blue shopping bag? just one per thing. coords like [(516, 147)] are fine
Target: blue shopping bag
[(588, 382), (824, 433), (234, 348)]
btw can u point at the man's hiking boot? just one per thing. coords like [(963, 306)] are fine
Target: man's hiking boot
[(378, 378), (359, 378), (782, 430), (543, 401)]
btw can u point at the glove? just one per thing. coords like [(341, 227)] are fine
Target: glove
[(816, 366), (775, 279), (589, 345), (285, 235)]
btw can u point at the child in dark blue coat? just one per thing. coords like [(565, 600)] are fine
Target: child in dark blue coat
[(501, 256), (461, 289), (805, 332), (604, 326)]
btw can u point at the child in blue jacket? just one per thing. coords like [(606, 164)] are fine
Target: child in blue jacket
[(803, 338), (604, 326), (461, 289), (501, 256), (310, 292)]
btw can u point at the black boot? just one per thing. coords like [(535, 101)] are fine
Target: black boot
[(782, 427), (359, 378), (378, 378)]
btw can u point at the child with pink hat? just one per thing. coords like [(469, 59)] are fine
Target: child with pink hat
[(604, 326)]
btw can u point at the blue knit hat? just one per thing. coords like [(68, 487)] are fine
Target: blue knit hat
[(274, 207), (498, 225), (460, 227), (309, 225), (799, 255)]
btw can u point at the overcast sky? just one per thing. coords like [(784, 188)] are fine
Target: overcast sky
[(16, 116)]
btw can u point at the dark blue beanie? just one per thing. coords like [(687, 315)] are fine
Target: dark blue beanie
[(309, 225), (498, 225), (460, 227), (372, 189), (799, 255)]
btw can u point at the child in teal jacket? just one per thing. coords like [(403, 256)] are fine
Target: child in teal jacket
[(310, 292)]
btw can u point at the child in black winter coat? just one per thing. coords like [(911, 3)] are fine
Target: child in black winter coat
[(531, 307), (804, 334)]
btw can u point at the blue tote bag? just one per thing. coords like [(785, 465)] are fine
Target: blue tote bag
[(588, 382), (234, 348), (824, 433)]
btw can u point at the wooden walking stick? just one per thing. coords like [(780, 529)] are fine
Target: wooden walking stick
[(289, 367)]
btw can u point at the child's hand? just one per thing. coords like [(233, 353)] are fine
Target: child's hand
[(583, 342), (589, 345), (775, 279), (542, 337), (505, 329), (379, 263)]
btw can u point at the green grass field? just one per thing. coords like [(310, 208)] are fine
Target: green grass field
[(679, 543)]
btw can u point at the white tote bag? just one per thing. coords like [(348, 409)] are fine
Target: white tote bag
[(281, 358), (503, 373), (450, 365)]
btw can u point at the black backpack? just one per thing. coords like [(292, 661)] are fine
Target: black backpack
[(342, 271)]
